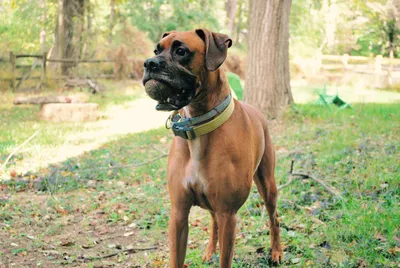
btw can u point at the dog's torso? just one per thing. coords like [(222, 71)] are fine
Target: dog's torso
[(216, 166)]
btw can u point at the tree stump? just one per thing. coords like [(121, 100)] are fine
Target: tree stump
[(69, 112)]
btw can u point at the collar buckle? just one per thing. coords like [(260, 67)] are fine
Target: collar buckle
[(183, 132)]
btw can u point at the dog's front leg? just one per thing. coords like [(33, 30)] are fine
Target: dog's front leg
[(178, 235), (227, 236)]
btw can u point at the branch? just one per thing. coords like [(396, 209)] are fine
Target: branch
[(126, 166), (19, 147), (128, 251), (307, 176)]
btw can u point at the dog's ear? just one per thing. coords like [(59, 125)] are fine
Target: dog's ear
[(216, 46), (165, 34)]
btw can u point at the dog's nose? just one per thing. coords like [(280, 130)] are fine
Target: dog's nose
[(154, 64)]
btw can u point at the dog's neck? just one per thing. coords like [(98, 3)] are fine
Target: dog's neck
[(213, 90)]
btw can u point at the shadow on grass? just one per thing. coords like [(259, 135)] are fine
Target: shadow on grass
[(110, 162)]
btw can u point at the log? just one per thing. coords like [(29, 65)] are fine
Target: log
[(51, 99), (69, 112), (87, 82)]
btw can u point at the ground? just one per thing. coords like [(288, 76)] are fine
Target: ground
[(79, 192)]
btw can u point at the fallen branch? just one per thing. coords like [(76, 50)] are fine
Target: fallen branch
[(19, 147), (128, 251), (125, 166), (306, 176)]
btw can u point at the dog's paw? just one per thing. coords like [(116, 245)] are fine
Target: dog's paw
[(277, 256), (208, 254)]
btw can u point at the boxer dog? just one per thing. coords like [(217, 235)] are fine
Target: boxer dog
[(213, 168)]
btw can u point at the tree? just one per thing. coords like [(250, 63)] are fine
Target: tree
[(267, 74), (230, 16), (70, 31), (42, 36)]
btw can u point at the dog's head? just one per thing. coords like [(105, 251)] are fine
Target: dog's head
[(174, 75)]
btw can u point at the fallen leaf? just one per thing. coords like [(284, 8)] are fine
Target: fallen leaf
[(296, 260), (61, 210), (159, 262), (394, 250), (196, 223), (67, 243), (129, 234), (380, 237)]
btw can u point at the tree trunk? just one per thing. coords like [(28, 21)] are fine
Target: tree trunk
[(43, 30), (267, 76), (112, 19), (70, 31), (230, 16), (61, 33), (396, 10)]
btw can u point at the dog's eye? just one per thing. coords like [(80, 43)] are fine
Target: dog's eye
[(155, 52), (180, 52)]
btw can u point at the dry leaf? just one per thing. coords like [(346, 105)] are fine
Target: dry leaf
[(394, 250)]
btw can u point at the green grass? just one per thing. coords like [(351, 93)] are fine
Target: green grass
[(19, 122), (353, 150)]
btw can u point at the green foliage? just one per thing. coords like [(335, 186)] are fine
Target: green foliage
[(158, 16), (359, 27), (235, 84), (20, 25), (306, 35), (378, 31)]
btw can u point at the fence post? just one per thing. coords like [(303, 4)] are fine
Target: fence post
[(43, 75), (13, 68), (378, 70), (345, 60)]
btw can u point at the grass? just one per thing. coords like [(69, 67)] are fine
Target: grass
[(73, 208), (18, 123)]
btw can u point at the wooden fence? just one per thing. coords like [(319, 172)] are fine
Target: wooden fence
[(382, 72), (42, 62), (351, 62)]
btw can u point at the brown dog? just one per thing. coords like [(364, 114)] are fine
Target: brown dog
[(215, 170)]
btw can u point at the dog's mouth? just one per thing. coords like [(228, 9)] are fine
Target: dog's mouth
[(170, 97)]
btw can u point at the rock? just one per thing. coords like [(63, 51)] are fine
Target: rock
[(71, 112)]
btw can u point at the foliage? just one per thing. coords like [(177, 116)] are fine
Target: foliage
[(306, 35), (20, 26), (382, 33), (158, 16), (357, 27)]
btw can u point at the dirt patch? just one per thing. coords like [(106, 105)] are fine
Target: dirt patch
[(69, 230)]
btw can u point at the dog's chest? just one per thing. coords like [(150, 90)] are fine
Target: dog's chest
[(197, 185)]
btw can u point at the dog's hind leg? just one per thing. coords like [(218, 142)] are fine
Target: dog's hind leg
[(266, 185), (212, 243)]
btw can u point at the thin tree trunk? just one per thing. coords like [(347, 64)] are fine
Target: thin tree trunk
[(230, 16), (396, 10), (43, 30), (267, 74), (61, 33), (71, 27), (112, 19)]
